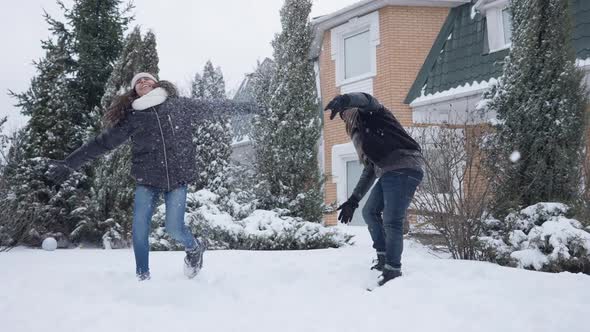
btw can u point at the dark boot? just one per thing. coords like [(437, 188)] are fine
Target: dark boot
[(193, 262), (389, 274), (143, 276), (379, 263)]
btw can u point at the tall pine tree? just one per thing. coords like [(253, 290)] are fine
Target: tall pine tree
[(539, 102), (60, 101), (288, 130), (261, 80), (197, 87), (213, 135), (54, 129), (210, 85), (4, 144), (97, 31)]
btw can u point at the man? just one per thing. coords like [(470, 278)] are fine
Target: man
[(390, 155)]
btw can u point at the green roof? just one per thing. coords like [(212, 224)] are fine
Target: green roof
[(581, 31), (460, 52)]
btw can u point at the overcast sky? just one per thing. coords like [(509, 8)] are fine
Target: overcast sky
[(234, 34)]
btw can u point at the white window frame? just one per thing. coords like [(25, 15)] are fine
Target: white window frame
[(357, 25), (507, 44), (495, 23), (341, 154)]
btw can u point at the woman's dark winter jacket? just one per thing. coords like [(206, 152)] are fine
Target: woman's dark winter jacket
[(382, 139), (163, 151)]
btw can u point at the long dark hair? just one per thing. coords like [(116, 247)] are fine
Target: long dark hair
[(122, 104)]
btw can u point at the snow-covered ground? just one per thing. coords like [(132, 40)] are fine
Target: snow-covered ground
[(323, 290)]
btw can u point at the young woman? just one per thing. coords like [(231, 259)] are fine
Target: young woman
[(391, 155), (160, 125)]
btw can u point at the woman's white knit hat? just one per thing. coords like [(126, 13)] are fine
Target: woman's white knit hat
[(142, 75)]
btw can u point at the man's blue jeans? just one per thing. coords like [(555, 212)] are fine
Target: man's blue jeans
[(385, 212), (146, 199)]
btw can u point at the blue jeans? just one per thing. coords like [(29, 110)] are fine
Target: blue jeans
[(146, 199), (385, 212)]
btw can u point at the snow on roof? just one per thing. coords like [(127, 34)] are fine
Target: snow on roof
[(458, 92), (583, 63), (470, 89)]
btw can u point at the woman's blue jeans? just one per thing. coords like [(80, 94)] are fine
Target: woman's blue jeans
[(146, 198), (385, 212)]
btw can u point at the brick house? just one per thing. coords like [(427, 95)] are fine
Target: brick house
[(427, 61)]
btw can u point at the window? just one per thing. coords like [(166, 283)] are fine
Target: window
[(507, 25), (354, 169), (357, 59), (354, 50), (498, 21)]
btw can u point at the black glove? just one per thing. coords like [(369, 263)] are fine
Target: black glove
[(347, 208), (338, 104), (58, 171)]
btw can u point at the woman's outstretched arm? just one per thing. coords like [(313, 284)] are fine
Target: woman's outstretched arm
[(106, 141), (217, 109)]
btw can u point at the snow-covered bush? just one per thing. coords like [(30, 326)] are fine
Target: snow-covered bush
[(288, 126), (539, 237), (114, 236), (260, 230)]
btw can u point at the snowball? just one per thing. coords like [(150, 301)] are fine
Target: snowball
[(49, 244), (515, 156)]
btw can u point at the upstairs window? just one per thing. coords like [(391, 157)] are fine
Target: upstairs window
[(499, 23), (354, 50), (507, 26), (357, 56)]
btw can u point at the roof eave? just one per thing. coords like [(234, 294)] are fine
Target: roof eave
[(479, 87)]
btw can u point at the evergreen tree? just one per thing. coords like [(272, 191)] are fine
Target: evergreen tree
[(60, 101), (31, 207), (3, 144), (288, 130), (54, 129), (210, 85), (113, 188), (97, 31), (123, 69), (150, 54), (212, 136), (261, 80), (213, 139), (139, 54), (539, 102), (213, 82), (197, 88)]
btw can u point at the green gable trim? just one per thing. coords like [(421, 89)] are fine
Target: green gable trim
[(581, 28), (440, 41), (460, 55), (461, 58)]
